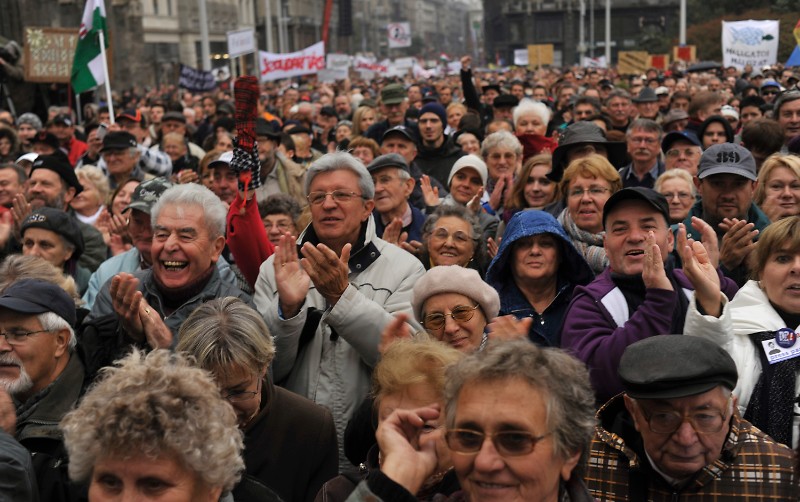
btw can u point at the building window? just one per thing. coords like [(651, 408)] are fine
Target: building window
[(155, 7)]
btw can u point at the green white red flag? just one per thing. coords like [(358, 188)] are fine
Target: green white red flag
[(88, 65)]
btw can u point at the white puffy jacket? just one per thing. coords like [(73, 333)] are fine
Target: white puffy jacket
[(748, 312)]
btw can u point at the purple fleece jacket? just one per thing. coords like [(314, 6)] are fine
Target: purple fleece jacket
[(591, 334)]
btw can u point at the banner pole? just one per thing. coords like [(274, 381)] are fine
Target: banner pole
[(109, 98)]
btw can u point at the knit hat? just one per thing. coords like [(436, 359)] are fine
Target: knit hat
[(59, 165), (455, 279), (471, 161), (435, 108), (31, 119)]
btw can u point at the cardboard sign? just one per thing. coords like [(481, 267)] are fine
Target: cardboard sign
[(540, 55), (686, 53), (658, 61), (632, 62)]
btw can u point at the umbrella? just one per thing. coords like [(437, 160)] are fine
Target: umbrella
[(704, 66)]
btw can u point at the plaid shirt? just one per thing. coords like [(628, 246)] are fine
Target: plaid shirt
[(751, 467), (152, 161)]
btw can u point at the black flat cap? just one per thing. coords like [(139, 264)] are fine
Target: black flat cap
[(36, 296), (58, 222), (61, 166), (118, 140), (400, 130), (505, 101), (173, 116), (673, 366), (655, 199), (388, 160)]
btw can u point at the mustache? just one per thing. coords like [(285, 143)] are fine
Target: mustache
[(8, 359)]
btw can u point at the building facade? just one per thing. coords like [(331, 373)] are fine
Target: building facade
[(635, 25)]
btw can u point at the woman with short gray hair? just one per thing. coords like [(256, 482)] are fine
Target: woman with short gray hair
[(230, 340), (534, 405), (154, 422)]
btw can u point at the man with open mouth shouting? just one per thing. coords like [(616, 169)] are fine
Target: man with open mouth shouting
[(640, 294), (149, 305)]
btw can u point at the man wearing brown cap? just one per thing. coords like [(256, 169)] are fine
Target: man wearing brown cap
[(676, 434), (394, 104)]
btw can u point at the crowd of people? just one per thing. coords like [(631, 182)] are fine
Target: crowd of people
[(552, 284)]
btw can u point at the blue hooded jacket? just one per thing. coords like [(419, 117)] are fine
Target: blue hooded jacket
[(572, 271)]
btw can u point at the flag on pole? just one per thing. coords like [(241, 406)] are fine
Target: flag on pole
[(87, 67)]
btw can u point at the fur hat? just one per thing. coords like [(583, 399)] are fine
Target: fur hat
[(455, 279)]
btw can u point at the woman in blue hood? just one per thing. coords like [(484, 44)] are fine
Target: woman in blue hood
[(535, 271)]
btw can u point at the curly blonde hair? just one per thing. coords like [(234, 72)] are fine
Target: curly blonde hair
[(153, 405)]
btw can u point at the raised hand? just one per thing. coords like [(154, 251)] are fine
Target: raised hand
[(493, 246), (496, 199), (413, 247), (397, 329), (408, 456), (393, 233), (157, 333), (20, 208), (429, 193), (126, 300), (291, 280), (709, 239), (508, 327), (653, 273), (701, 272), (328, 272), (474, 203), (737, 243)]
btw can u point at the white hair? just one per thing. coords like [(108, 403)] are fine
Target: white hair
[(527, 106)]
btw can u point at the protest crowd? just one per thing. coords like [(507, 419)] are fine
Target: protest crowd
[(559, 284)]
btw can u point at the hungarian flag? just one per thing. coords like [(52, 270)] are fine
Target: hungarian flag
[(87, 67)]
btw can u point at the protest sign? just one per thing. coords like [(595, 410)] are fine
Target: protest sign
[(196, 80), (749, 43), (305, 62)]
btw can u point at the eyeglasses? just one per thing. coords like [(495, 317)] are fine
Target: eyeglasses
[(647, 141), (442, 234), (703, 422), (593, 192), (510, 157), (19, 337), (688, 152), (238, 397), (683, 196), (339, 196), (507, 443), (769, 93), (283, 226), (460, 313)]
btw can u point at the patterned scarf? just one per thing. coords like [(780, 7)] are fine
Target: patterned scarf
[(588, 244), (771, 406)]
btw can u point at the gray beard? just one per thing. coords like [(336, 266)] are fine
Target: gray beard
[(21, 384)]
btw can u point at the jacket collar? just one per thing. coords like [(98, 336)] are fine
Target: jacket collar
[(364, 253)]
